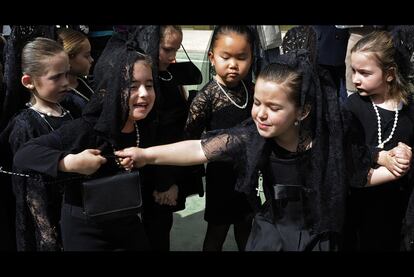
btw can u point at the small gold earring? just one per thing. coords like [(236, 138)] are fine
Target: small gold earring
[(296, 123)]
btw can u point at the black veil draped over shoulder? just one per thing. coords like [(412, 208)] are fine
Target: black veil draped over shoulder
[(108, 109)]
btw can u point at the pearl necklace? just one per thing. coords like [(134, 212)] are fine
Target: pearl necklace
[(79, 93), (113, 147), (166, 79), (394, 126), (231, 100), (43, 114)]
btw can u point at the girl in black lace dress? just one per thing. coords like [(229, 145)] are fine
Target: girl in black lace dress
[(222, 103), (295, 142), (45, 66)]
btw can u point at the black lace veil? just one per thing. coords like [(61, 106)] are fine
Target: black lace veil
[(108, 108), (403, 38), (324, 176)]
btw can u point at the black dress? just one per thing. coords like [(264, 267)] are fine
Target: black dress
[(79, 233), (284, 221), (172, 110), (38, 198), (375, 213), (280, 225), (210, 110)]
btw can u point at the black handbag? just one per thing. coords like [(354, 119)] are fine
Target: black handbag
[(112, 197)]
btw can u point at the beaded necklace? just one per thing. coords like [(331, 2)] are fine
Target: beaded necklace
[(231, 100), (394, 126), (43, 115), (166, 79), (79, 93)]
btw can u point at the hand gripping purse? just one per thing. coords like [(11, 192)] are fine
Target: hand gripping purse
[(112, 197)]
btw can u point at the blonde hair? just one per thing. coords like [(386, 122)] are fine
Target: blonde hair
[(71, 41), (380, 45)]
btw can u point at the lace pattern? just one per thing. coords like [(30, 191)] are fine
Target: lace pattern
[(211, 108)]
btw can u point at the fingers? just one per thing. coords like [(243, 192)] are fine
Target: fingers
[(94, 151), (127, 152), (401, 144)]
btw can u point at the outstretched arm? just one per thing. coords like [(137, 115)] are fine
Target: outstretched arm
[(183, 153)]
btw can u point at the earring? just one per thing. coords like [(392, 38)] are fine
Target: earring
[(296, 123)]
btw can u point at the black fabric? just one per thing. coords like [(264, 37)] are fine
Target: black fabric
[(185, 73), (374, 214), (325, 177), (212, 110), (38, 197), (172, 113), (99, 128)]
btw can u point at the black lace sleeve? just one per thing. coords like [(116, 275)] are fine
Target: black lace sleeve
[(199, 114), (242, 145)]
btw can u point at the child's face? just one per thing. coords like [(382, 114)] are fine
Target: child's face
[(273, 111), (169, 46), (81, 63), (142, 95), (367, 76), (53, 84), (231, 58)]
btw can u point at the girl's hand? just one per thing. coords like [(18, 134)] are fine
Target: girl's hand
[(86, 162), (132, 157), (398, 159)]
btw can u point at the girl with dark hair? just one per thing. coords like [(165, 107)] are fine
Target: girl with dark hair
[(113, 119), (295, 142), (222, 103)]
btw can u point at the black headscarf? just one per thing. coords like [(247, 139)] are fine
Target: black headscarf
[(108, 108), (325, 177)]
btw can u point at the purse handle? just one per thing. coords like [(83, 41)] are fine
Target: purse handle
[(186, 52)]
